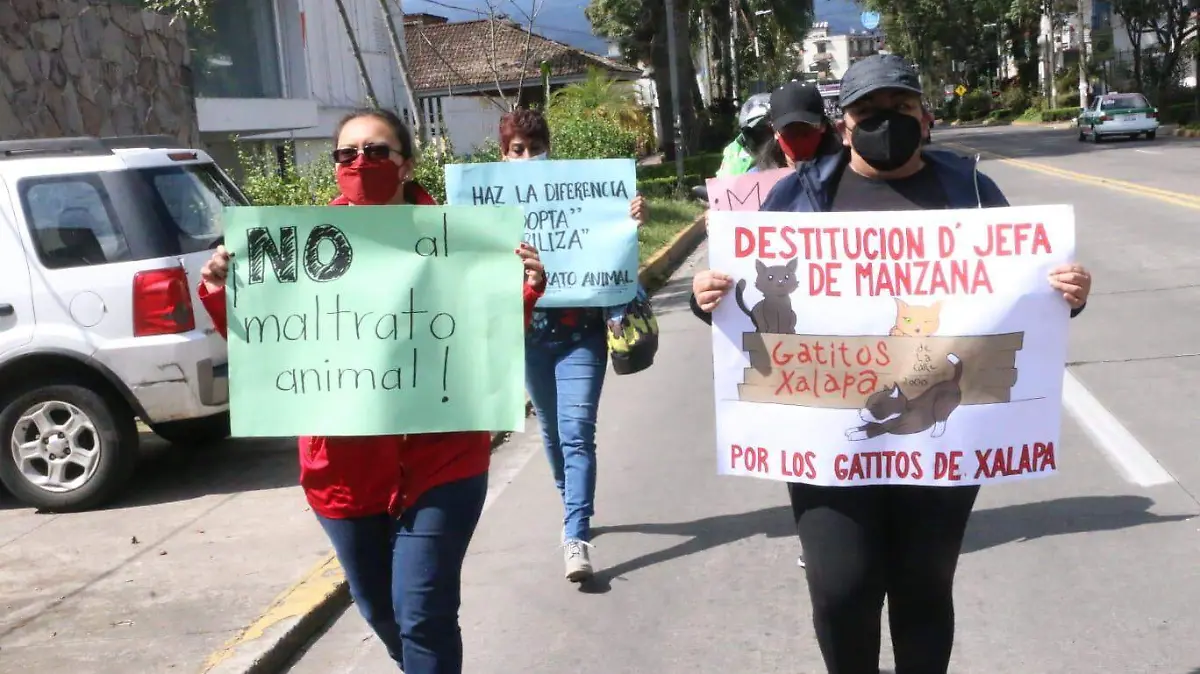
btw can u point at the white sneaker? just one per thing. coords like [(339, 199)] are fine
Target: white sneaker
[(578, 562)]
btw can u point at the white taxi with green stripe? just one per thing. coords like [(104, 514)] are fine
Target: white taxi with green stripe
[(1118, 115)]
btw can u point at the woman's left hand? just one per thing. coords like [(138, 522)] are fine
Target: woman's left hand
[(535, 271), (637, 210), (1073, 281)]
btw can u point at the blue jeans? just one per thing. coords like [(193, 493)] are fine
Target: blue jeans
[(405, 574), (564, 380)]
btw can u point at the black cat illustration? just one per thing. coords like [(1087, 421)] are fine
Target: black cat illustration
[(773, 314), (891, 412)]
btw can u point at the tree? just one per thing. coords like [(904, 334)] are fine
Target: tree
[(1137, 15), (640, 31), (1175, 29)]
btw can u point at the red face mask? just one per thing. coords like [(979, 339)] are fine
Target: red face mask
[(800, 141), (369, 182)]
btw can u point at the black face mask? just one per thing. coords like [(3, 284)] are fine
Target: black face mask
[(887, 140)]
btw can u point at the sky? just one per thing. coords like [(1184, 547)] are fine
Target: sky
[(563, 20)]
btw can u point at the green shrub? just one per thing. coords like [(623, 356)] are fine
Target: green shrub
[(595, 138), (1015, 99), (1070, 100), (1180, 113), (701, 164), (266, 183), (975, 105), (1060, 115), (664, 187), (1001, 114)]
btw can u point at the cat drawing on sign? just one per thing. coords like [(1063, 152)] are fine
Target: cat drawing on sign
[(890, 412), (914, 320), (773, 314)]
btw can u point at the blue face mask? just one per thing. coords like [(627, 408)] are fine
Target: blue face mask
[(540, 157)]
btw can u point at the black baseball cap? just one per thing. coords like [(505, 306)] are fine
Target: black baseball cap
[(796, 102), (875, 72)]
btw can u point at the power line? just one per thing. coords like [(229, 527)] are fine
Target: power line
[(478, 12)]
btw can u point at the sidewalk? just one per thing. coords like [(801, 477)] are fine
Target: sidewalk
[(94, 592)]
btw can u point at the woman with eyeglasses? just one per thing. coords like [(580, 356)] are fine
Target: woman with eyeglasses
[(400, 510)]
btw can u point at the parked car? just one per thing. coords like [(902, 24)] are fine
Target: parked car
[(101, 245), (1118, 115)]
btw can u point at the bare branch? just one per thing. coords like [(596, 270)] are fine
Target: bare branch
[(495, 56), (537, 7)]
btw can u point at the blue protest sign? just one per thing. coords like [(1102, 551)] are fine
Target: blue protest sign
[(870, 20), (576, 215)]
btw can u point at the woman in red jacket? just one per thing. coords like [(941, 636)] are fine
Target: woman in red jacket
[(400, 510)]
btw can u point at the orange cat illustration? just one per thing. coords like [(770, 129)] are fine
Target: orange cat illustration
[(914, 320)]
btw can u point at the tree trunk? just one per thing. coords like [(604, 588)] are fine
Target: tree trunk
[(661, 63), (687, 77), (402, 64), (358, 58)]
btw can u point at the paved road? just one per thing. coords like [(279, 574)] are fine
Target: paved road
[(1089, 572)]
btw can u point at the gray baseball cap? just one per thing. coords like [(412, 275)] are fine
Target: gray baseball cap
[(875, 72)]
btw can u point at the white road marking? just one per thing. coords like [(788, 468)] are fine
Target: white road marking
[(1148, 151), (1127, 455)]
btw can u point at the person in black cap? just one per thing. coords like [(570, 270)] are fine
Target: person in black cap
[(862, 544), (802, 130)]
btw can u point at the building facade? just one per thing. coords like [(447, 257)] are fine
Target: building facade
[(272, 71), (825, 57)]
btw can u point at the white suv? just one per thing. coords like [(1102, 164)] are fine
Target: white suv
[(101, 244)]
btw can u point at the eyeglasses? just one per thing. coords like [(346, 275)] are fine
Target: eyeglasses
[(375, 151)]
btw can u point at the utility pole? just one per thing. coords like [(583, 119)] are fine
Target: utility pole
[(1085, 10), (676, 92), (1051, 59), (733, 59)]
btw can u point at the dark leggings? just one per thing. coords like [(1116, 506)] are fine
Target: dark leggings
[(864, 543)]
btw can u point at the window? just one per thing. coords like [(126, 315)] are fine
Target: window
[(122, 216), (72, 222), (1125, 102), (194, 197), (821, 47), (239, 57)]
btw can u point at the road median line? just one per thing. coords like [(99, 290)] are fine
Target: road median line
[(298, 613), (1176, 198)]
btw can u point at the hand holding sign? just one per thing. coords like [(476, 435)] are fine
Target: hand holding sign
[(374, 320), (578, 215)]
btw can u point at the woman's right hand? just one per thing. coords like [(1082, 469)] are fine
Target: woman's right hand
[(216, 269), (709, 286)]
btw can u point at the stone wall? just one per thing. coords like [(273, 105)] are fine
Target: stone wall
[(95, 68)]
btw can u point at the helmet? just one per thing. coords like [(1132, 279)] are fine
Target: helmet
[(754, 111)]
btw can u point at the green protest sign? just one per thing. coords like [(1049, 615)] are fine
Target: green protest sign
[(375, 320)]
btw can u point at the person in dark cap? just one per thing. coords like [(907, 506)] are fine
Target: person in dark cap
[(802, 130), (866, 543)]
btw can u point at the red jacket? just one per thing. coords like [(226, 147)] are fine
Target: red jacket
[(346, 477)]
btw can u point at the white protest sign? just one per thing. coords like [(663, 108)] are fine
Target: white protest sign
[(912, 347)]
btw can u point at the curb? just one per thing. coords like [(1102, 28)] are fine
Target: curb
[(1187, 133), (299, 612)]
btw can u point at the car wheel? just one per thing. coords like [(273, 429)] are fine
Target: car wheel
[(64, 446), (1095, 136), (1082, 135), (194, 432), (1151, 134)]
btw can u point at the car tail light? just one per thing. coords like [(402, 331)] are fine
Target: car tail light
[(162, 303), (1103, 118), (1153, 114)]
